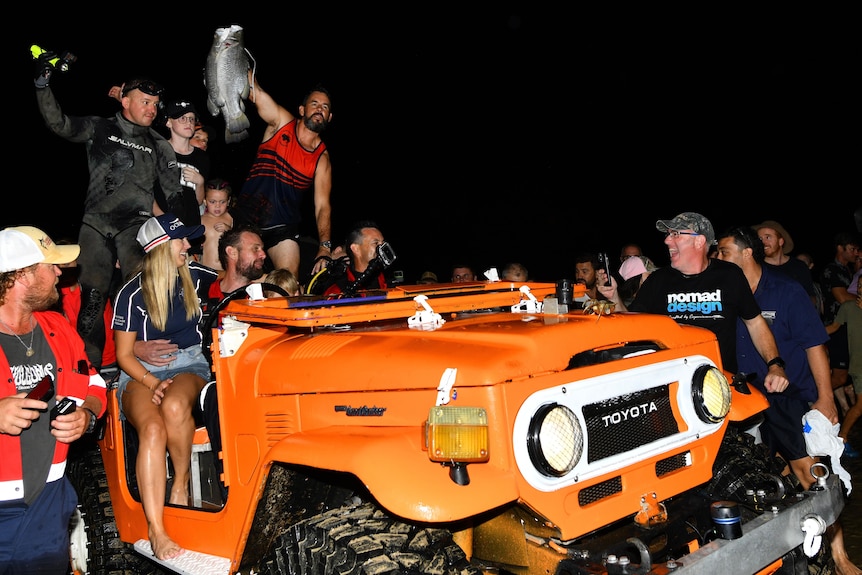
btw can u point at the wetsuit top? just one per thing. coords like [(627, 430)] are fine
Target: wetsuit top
[(126, 163), (713, 299), (796, 326), (273, 192)]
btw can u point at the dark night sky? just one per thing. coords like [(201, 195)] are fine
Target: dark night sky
[(516, 134)]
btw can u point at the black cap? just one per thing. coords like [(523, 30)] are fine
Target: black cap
[(179, 108)]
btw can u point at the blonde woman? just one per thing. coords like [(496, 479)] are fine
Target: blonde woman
[(162, 302)]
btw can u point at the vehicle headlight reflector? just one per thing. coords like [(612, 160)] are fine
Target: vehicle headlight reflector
[(710, 392), (555, 440)]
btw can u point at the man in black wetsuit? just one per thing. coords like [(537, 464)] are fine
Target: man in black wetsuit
[(127, 161)]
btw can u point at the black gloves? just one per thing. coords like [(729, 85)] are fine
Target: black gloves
[(47, 62), (44, 69)]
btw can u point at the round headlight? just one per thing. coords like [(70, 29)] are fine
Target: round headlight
[(555, 440), (710, 392)]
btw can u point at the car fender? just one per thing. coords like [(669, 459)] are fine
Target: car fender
[(425, 492)]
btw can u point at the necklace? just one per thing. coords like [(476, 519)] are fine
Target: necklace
[(29, 348)]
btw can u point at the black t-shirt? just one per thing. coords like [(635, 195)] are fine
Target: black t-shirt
[(37, 443), (798, 270), (712, 299), (190, 214)]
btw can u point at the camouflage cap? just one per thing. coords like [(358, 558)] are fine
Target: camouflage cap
[(689, 221)]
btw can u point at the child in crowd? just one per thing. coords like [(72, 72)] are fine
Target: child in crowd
[(216, 219), (283, 278)]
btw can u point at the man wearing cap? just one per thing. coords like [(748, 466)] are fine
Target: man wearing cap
[(180, 119), (428, 277), (127, 160), (707, 292), (36, 498), (777, 244)]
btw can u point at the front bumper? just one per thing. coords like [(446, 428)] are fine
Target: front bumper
[(769, 536)]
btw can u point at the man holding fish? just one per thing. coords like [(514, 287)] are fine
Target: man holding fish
[(291, 160)]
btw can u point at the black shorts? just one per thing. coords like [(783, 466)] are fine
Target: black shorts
[(277, 234), (781, 431), (839, 349)]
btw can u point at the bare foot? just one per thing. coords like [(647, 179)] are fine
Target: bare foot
[(164, 547)]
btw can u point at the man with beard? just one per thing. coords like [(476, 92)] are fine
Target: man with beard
[(241, 253), (291, 160), (36, 498), (586, 268)]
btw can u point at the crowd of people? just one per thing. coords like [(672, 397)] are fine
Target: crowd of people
[(163, 239), (766, 324), (153, 211)]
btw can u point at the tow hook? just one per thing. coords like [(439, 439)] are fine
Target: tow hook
[(812, 524)]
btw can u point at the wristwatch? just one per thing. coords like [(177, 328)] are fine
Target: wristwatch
[(777, 360), (93, 420), (326, 244)]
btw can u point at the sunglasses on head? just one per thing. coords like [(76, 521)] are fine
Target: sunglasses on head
[(145, 86)]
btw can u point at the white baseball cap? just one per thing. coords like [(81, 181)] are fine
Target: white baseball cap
[(164, 228), (24, 246)]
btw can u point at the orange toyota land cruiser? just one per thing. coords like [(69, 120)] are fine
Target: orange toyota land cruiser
[(462, 429)]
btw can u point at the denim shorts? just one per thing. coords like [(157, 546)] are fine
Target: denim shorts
[(188, 360)]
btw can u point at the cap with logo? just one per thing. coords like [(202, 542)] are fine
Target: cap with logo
[(689, 221), (160, 229), (23, 246), (179, 108)]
